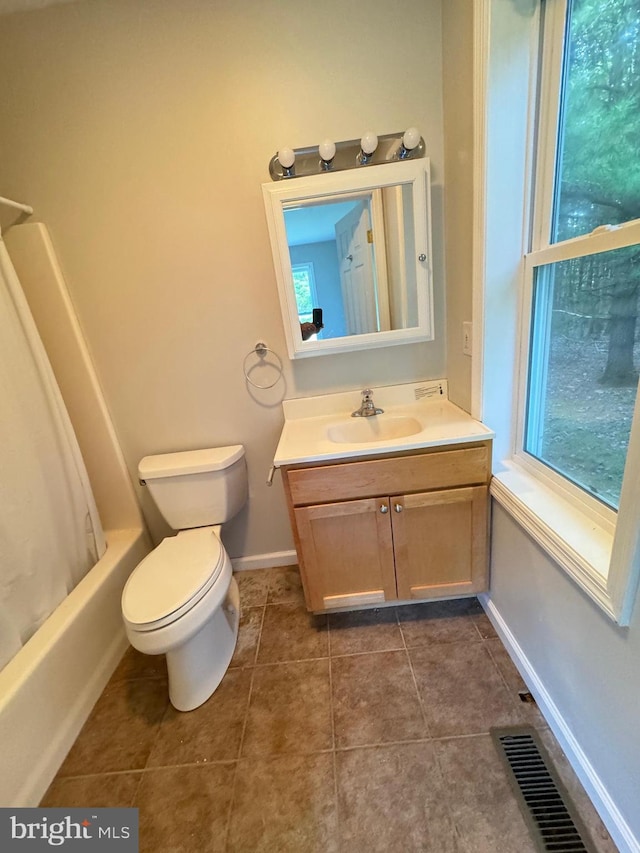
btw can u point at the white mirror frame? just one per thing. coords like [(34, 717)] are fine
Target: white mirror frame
[(277, 195)]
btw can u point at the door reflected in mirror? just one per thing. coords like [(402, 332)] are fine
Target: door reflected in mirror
[(352, 256)]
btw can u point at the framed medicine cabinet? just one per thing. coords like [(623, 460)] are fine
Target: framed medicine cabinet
[(352, 253)]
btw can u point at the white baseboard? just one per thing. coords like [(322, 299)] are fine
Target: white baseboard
[(265, 561), (616, 824)]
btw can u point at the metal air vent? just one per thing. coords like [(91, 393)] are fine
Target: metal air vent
[(551, 816)]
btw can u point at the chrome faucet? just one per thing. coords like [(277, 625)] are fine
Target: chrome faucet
[(367, 407)]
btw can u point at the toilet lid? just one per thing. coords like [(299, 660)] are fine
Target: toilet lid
[(173, 577)]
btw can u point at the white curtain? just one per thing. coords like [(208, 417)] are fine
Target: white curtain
[(50, 533)]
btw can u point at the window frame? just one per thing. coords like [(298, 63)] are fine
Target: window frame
[(598, 548), (542, 251), (589, 244)]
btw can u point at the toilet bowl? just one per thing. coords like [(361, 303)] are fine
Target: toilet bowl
[(182, 599)]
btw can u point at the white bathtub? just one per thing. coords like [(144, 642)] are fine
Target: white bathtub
[(48, 689)]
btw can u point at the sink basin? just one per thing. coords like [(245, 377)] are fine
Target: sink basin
[(377, 428)]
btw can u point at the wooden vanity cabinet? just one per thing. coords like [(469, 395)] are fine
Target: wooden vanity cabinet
[(396, 528)]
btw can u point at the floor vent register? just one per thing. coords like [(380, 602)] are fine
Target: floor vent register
[(547, 808)]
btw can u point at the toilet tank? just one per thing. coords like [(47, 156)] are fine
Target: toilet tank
[(197, 488)]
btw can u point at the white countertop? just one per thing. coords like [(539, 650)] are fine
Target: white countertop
[(436, 421)]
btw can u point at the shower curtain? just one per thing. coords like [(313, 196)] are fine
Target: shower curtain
[(50, 533)]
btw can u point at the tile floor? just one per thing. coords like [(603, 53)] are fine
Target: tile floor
[(354, 732)]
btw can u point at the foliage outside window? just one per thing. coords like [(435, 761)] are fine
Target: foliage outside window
[(584, 342)]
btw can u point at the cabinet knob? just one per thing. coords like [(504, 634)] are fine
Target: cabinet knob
[(384, 508), (398, 507)]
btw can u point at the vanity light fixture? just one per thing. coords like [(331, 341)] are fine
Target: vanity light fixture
[(330, 156), (410, 139), (287, 158), (327, 151), (368, 145)]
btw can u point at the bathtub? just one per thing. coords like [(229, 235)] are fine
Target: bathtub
[(49, 688)]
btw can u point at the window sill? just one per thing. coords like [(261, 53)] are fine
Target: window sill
[(570, 537)]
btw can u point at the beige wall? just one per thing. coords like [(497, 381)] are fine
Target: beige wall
[(36, 265), (457, 64), (141, 132)]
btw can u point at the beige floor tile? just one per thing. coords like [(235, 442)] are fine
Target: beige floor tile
[(136, 665), (253, 587), (121, 729), (507, 668), (289, 632), (361, 631), (185, 809), (284, 585), (484, 626), (290, 709), (393, 798), (248, 637), (284, 804), (212, 732), (482, 803), (515, 684), (113, 790), (461, 689), (375, 700), (275, 706), (440, 622)]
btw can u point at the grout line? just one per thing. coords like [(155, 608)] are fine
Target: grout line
[(415, 685), (298, 601), (369, 652), (427, 739), (267, 664), (465, 736), (268, 755), (433, 740), (242, 735), (436, 758), (356, 654), (513, 695), (96, 775), (134, 796), (264, 756), (333, 739), (216, 762), (382, 745)]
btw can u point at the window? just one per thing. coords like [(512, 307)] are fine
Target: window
[(304, 284), (556, 281), (581, 338), (597, 165)]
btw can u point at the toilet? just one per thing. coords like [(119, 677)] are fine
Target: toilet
[(182, 599)]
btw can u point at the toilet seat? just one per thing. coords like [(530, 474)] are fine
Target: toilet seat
[(172, 579)]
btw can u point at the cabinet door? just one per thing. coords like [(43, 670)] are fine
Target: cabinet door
[(440, 541), (346, 553)]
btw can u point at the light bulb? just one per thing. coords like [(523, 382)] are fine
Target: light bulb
[(369, 142), (286, 157), (411, 138), (327, 150)]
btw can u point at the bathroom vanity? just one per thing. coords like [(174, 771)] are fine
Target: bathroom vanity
[(391, 508)]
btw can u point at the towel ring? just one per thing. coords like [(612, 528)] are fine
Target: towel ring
[(261, 350)]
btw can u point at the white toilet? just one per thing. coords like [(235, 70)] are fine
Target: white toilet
[(182, 599)]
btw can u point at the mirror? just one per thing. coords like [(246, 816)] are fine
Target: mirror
[(352, 255)]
